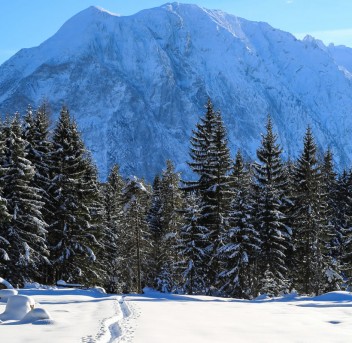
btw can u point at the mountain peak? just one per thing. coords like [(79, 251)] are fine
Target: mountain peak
[(137, 84)]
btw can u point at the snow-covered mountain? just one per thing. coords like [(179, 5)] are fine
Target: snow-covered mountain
[(137, 85)]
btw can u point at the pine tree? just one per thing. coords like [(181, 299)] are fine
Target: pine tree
[(38, 151), (241, 241), (71, 235), (154, 219), (274, 234), (168, 203), (192, 241), (5, 216), (113, 240), (26, 231), (135, 198), (92, 198), (344, 220), (334, 234), (36, 132), (211, 161), (313, 270)]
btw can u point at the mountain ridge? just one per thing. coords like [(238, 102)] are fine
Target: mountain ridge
[(137, 84)]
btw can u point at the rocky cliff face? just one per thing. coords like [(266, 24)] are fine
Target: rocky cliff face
[(137, 85)]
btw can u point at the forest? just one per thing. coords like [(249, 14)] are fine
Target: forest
[(238, 229)]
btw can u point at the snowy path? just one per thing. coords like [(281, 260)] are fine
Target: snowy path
[(116, 328)]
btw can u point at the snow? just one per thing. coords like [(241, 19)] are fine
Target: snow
[(202, 319), (6, 293), (77, 315), (5, 283), (74, 316), (17, 307)]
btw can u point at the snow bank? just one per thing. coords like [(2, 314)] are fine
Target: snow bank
[(334, 296), (6, 293), (6, 283), (17, 307), (36, 316)]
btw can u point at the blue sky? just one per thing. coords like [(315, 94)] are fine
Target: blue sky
[(27, 23)]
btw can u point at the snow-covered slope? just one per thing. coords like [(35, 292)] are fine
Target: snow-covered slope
[(137, 84)]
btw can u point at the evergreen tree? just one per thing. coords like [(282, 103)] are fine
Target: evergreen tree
[(241, 241), (274, 234), (113, 240), (192, 239), (38, 151), (135, 198), (170, 202), (313, 271), (334, 238), (36, 132), (211, 162), (344, 220), (5, 216), (154, 219), (71, 235), (92, 197), (26, 231)]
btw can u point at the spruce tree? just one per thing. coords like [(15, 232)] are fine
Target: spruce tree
[(313, 271), (274, 234), (191, 243), (334, 234), (71, 235), (5, 216), (26, 231), (113, 239), (171, 203), (154, 219), (241, 240), (211, 162), (135, 199), (344, 219)]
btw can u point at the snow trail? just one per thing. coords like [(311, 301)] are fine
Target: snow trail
[(115, 329)]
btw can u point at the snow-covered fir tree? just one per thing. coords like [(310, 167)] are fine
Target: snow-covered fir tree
[(113, 234), (5, 216), (157, 251), (270, 219), (334, 234), (211, 162), (344, 220), (135, 199), (71, 235), (314, 270), (36, 132), (241, 243), (92, 198), (166, 221), (26, 231), (191, 243)]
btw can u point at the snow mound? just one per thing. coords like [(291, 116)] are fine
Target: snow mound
[(7, 293), (37, 316), (99, 290), (17, 307), (334, 296), (6, 283)]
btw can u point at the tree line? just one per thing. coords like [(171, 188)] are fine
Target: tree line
[(239, 229)]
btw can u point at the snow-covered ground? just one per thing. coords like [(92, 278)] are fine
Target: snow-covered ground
[(90, 316)]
